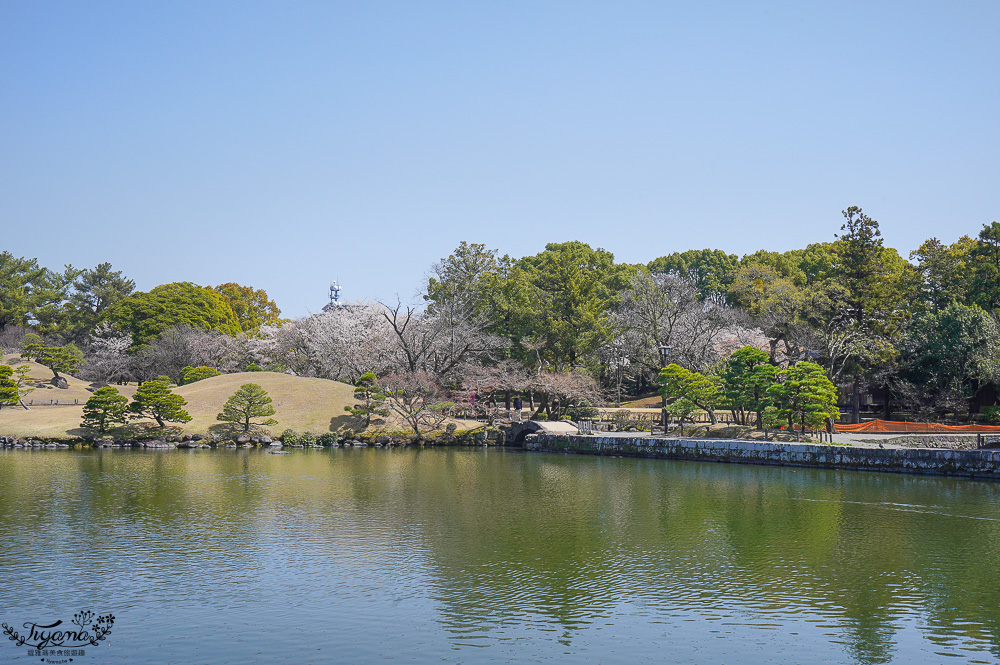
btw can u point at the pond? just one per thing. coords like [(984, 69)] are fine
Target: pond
[(487, 555)]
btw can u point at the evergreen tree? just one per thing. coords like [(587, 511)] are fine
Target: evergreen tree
[(57, 358), (105, 409), (371, 397), (681, 383), (746, 376), (804, 394), (154, 400), (8, 387), (249, 402)]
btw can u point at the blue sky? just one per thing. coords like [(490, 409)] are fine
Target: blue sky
[(283, 144)]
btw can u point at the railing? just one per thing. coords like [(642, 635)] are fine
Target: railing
[(53, 402)]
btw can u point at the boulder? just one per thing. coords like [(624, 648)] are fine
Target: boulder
[(60, 382)]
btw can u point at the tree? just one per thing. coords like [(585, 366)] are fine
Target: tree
[(944, 274), (249, 402), (746, 375), (416, 398), (710, 270), (95, 290), (8, 387), (681, 408), (251, 306), (192, 374), (31, 294), (945, 356), (66, 358), (23, 388), (878, 283), (805, 394), (105, 409), (681, 383), (154, 400), (985, 263), (371, 399), (573, 288), (147, 315), (107, 354)]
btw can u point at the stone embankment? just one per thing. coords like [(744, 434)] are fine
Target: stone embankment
[(193, 441), (967, 463)]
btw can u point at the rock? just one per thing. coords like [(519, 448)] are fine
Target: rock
[(95, 385), (197, 437), (266, 440), (275, 444), (60, 382), (242, 439), (278, 452)]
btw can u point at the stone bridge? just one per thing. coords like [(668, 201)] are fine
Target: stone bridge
[(517, 431)]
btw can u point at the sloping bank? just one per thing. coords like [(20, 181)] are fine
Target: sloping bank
[(983, 464)]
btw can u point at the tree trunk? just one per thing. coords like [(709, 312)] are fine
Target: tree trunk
[(506, 399), (856, 402)]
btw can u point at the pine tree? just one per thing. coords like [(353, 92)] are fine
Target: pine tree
[(804, 394), (57, 358), (104, 410), (249, 402), (154, 400), (371, 396), (8, 387)]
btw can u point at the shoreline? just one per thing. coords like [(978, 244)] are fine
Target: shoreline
[(974, 464)]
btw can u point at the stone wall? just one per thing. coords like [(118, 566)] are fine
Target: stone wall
[(968, 463)]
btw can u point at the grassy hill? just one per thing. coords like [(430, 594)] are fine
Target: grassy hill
[(301, 404), (39, 378)]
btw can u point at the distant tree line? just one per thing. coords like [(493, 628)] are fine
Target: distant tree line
[(566, 328)]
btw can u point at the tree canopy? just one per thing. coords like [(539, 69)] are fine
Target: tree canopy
[(147, 315), (249, 402), (155, 400)]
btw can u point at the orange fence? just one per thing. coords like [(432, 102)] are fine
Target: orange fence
[(897, 427)]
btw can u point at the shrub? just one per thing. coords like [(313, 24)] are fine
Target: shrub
[(253, 367), (991, 414), (540, 416), (307, 439), (327, 439), (583, 412), (192, 374), (290, 437)]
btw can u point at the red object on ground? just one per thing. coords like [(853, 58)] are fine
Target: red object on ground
[(898, 427)]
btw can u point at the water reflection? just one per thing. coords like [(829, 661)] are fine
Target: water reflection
[(494, 554)]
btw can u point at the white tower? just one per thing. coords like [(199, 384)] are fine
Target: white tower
[(334, 297)]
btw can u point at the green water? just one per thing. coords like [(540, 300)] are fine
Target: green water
[(366, 556)]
